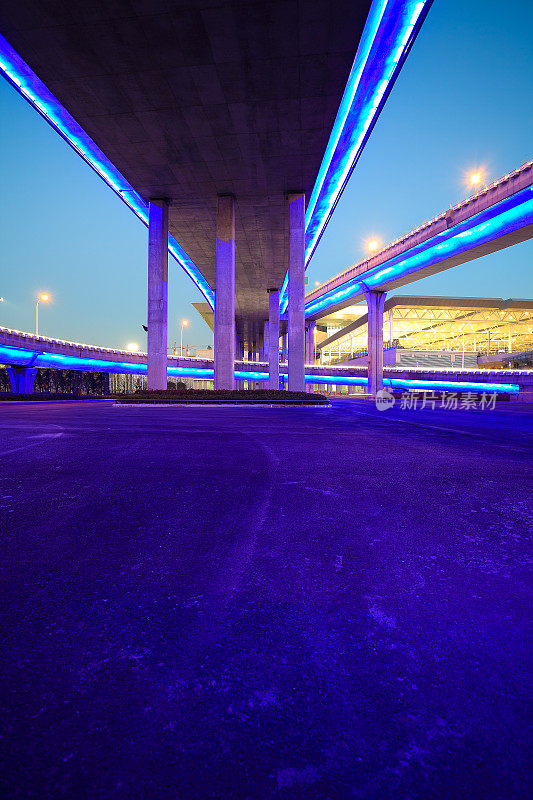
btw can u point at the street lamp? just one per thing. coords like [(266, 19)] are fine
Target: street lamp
[(184, 324), (44, 298), (476, 179)]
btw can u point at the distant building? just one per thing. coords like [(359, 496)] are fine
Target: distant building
[(432, 331), (205, 353)]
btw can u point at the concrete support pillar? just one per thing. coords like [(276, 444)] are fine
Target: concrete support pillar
[(266, 342), (296, 292), (21, 379), (238, 348), (310, 343), (157, 293), (254, 358), (273, 336), (225, 294), (309, 349), (375, 302)]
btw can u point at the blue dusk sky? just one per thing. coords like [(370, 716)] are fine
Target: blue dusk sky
[(463, 101)]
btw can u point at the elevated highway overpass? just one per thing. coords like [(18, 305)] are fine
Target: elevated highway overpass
[(241, 122), (217, 124), (498, 216), (23, 353)]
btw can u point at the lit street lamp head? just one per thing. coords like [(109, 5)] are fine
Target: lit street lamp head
[(477, 178), (44, 297)]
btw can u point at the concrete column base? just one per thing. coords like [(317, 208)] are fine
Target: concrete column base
[(21, 379)]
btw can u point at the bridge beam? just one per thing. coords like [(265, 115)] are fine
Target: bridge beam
[(375, 302), (157, 294), (296, 292), (21, 379), (225, 294), (273, 336)]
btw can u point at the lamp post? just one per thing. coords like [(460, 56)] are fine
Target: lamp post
[(488, 343), (184, 324), (44, 297)]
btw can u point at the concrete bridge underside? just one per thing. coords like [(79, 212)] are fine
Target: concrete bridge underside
[(194, 99), (217, 123)]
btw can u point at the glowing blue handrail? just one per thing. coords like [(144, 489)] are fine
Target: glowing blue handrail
[(36, 358), (389, 32), (30, 86), (499, 219)]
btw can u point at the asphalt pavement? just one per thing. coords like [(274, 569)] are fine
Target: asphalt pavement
[(265, 603)]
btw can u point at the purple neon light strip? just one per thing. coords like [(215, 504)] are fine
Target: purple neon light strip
[(30, 86)]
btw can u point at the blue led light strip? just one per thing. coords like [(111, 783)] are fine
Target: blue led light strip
[(34, 358), (494, 222), (389, 32), (27, 84)]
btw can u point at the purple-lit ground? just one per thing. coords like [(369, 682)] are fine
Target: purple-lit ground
[(264, 603)]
